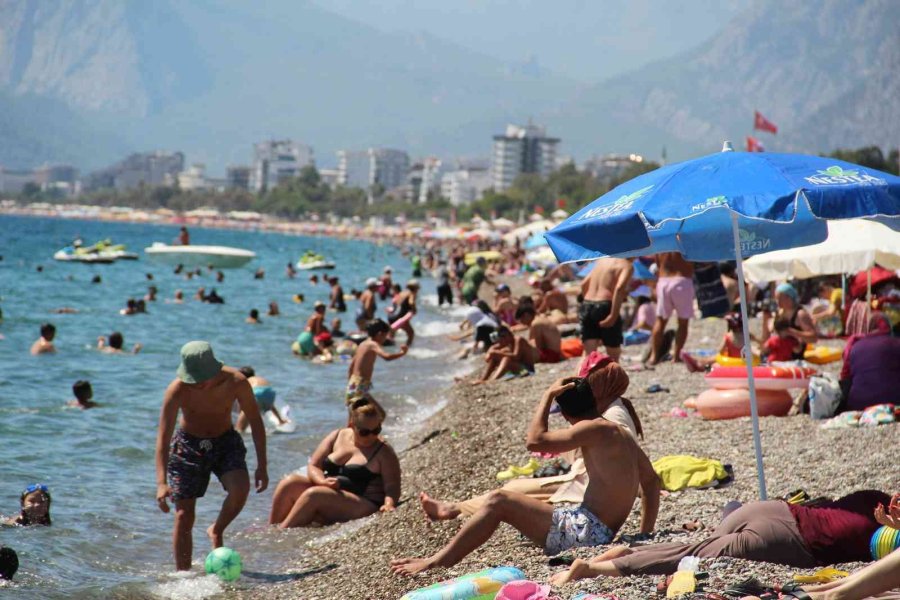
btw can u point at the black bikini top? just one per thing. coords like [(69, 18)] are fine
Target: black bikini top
[(352, 478)]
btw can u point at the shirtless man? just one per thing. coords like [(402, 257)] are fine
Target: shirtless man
[(674, 293), (336, 297), (359, 374), (616, 468), (554, 299), (543, 333), (509, 354), (604, 290), (84, 394), (115, 343), (44, 344), (367, 306), (316, 322), (204, 392)]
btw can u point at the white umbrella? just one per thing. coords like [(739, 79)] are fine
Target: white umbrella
[(526, 231), (559, 214), (502, 223), (852, 246)]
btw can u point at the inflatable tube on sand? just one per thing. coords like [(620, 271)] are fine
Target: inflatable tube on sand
[(821, 355), (766, 378), (571, 347), (402, 321), (730, 361), (632, 337), (731, 404), (482, 585)]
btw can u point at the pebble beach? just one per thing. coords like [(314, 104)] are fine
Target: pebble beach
[(481, 430)]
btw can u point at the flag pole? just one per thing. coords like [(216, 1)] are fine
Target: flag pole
[(747, 351)]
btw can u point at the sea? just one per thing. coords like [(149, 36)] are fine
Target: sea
[(108, 538)]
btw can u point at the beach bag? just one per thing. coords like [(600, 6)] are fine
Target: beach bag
[(824, 396), (525, 590)]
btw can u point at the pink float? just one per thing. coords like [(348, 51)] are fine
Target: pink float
[(401, 321), (766, 378), (733, 403)]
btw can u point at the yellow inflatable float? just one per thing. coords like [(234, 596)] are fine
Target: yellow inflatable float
[(820, 355), (730, 361)]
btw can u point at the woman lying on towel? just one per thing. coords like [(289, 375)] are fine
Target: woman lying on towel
[(774, 531)]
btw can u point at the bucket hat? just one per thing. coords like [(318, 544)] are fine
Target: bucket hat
[(198, 363)]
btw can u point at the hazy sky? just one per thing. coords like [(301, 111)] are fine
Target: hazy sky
[(588, 40)]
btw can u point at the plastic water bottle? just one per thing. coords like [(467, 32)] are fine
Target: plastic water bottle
[(684, 581)]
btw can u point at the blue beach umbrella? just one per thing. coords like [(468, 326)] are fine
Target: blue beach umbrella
[(728, 206)]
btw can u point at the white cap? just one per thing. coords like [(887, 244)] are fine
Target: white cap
[(388, 269), (371, 281)]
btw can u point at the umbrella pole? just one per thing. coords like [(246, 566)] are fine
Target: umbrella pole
[(747, 352)]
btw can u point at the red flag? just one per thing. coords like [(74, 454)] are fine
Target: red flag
[(763, 124), (754, 145)]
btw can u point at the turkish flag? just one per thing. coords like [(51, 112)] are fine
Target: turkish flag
[(754, 145), (763, 124)]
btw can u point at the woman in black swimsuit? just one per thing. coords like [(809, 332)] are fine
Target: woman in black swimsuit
[(352, 474), (801, 323)]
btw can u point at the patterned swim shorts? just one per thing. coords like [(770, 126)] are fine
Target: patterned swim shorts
[(574, 527), (192, 459), (357, 387)]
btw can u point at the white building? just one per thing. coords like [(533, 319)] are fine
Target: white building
[(424, 178), (329, 177), (194, 178), (365, 168), (277, 160), (610, 166), (522, 150), (465, 186)]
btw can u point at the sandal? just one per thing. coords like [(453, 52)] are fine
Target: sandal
[(749, 587), (793, 590)]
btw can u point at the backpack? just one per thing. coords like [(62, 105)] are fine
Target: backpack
[(824, 396)]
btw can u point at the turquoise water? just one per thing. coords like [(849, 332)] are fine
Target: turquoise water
[(108, 539)]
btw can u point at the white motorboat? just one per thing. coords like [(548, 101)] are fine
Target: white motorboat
[(315, 265), (220, 257)]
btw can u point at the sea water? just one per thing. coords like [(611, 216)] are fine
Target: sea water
[(108, 538)]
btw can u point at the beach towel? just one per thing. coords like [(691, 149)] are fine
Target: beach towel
[(683, 471)]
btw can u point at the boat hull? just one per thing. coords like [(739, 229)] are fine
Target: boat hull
[(220, 257)]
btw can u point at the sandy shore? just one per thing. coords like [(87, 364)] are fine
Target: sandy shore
[(481, 431)]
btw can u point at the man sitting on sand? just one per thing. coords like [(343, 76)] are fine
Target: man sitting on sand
[(508, 354), (359, 374), (115, 343), (205, 443), (616, 468), (608, 382), (554, 303), (543, 333), (83, 393), (44, 344)]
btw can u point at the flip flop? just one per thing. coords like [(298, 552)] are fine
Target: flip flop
[(749, 587), (793, 590)]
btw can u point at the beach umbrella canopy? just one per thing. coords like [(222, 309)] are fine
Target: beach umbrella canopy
[(559, 214), (851, 246), (502, 223), (725, 206)]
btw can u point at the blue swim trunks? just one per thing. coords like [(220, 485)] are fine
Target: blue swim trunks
[(265, 397), (576, 527), (193, 459)]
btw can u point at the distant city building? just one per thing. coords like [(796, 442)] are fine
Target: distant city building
[(610, 166), (329, 177), (12, 181), (60, 178), (143, 168), (522, 150), (237, 177), (424, 178), (366, 168), (465, 186), (276, 161), (194, 178)]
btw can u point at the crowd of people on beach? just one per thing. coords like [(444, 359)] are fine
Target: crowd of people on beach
[(558, 314)]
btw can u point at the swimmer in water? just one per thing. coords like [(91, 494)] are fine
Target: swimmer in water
[(44, 344), (253, 317), (83, 393), (114, 344), (265, 398), (35, 507)]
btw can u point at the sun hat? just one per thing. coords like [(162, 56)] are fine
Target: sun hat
[(412, 283), (371, 281), (198, 363), (319, 304), (388, 269)]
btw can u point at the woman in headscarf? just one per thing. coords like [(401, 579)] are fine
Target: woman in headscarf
[(871, 362), (800, 322)]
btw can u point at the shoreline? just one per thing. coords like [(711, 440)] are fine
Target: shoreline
[(457, 452)]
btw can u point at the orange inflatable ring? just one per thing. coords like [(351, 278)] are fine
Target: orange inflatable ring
[(731, 404), (766, 378)]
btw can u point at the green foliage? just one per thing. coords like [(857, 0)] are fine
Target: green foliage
[(869, 156)]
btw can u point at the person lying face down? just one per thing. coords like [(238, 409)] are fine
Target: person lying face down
[(616, 466)]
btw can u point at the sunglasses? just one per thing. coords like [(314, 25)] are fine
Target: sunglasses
[(367, 432), (36, 487)]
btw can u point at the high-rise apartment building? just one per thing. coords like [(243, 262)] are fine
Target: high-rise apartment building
[(522, 150), (466, 185), (366, 168), (275, 161)]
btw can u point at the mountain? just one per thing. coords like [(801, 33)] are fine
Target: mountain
[(86, 81), (827, 72)]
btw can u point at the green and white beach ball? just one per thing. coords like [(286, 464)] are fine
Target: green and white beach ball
[(224, 562)]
